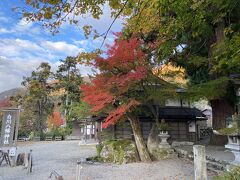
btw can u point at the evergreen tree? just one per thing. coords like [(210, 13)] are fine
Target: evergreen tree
[(69, 80), (38, 100)]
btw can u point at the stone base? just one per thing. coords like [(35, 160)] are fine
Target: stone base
[(236, 161), (163, 153), (182, 143), (164, 146)]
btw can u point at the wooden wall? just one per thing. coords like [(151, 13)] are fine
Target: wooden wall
[(179, 131)]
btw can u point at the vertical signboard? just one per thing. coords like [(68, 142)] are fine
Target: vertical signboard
[(8, 127)]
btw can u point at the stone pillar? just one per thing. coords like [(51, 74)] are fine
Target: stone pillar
[(78, 173), (200, 167)]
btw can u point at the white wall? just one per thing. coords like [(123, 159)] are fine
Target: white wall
[(177, 103)]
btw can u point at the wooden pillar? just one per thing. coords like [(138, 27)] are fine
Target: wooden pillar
[(91, 130), (85, 133)]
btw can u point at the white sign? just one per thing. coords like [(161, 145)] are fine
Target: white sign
[(192, 126), (7, 130), (12, 151)]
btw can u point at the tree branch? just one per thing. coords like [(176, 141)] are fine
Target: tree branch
[(106, 33)]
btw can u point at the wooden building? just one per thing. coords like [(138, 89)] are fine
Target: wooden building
[(183, 122)]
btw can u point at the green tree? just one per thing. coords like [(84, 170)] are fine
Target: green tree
[(27, 116), (202, 36), (53, 13), (80, 110), (69, 80), (38, 100)]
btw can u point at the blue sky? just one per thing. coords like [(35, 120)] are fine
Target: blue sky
[(24, 45)]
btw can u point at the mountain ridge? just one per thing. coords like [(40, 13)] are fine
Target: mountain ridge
[(11, 92)]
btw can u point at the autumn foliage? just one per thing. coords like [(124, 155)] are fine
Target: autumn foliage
[(55, 120), (123, 70), (171, 74), (5, 103)]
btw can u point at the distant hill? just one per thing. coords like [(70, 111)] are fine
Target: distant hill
[(12, 92)]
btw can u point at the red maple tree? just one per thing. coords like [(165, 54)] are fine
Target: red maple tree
[(125, 67), (121, 73), (55, 120), (5, 103)]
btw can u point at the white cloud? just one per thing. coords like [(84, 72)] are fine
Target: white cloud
[(13, 71), (22, 27), (27, 27), (3, 19), (5, 31), (19, 57), (101, 24), (48, 50), (81, 42), (62, 47), (18, 48)]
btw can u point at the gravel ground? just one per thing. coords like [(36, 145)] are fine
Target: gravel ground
[(63, 155)]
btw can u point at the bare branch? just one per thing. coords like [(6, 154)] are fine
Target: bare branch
[(118, 14)]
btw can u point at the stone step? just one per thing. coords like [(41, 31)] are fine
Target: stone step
[(218, 172), (216, 165), (212, 165), (73, 138)]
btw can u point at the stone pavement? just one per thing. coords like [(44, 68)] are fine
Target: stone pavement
[(62, 156)]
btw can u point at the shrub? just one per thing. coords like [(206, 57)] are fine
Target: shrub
[(163, 126), (99, 149), (31, 135), (234, 174)]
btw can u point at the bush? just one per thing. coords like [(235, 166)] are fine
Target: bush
[(56, 132), (61, 131), (23, 133), (49, 134), (234, 174), (163, 126), (39, 134), (99, 149), (31, 135), (64, 131)]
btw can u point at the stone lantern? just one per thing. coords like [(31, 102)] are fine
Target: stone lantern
[(163, 127), (233, 133), (233, 129), (234, 136), (164, 136)]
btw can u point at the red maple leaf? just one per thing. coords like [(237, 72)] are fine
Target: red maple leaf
[(125, 66)]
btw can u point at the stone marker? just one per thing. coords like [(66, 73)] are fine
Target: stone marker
[(200, 168), (79, 167)]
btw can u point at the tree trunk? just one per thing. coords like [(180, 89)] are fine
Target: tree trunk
[(153, 140), (221, 109), (141, 147), (40, 119)]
